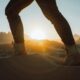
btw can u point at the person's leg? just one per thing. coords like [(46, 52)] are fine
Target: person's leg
[(50, 10), (16, 26)]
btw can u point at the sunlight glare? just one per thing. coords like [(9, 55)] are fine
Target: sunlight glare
[(37, 34)]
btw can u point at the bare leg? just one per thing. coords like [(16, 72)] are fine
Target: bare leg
[(12, 12), (50, 10)]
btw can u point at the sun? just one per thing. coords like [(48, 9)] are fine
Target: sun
[(37, 34)]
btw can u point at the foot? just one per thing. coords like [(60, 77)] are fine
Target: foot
[(19, 49), (73, 56)]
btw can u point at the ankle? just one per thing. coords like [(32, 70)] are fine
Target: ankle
[(72, 50), (19, 48)]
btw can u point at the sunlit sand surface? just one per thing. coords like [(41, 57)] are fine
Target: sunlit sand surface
[(39, 64)]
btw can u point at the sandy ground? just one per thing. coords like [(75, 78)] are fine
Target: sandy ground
[(34, 67)]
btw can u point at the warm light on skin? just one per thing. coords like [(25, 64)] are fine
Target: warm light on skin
[(37, 34)]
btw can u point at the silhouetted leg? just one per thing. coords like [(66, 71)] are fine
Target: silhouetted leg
[(50, 10), (12, 12)]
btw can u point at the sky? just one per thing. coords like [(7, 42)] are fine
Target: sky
[(33, 18)]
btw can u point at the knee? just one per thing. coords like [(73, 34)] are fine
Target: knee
[(7, 12), (10, 13)]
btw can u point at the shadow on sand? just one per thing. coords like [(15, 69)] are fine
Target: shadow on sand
[(36, 67)]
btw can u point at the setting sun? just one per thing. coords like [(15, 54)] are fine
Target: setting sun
[(37, 34)]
